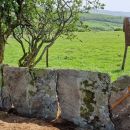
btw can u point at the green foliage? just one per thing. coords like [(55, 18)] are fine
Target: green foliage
[(48, 20), (93, 4), (118, 29), (52, 18), (12, 14), (38, 21)]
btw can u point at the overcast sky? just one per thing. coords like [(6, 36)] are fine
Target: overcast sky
[(117, 5)]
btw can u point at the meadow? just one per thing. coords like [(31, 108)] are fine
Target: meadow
[(102, 22), (98, 51)]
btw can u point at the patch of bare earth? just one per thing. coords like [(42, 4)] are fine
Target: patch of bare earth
[(13, 122)]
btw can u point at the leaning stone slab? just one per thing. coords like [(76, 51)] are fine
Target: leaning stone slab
[(83, 98), (120, 103), (32, 93)]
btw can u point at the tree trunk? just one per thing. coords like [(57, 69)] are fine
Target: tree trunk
[(27, 60), (2, 48), (47, 56)]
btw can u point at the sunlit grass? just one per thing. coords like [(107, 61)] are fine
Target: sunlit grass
[(99, 51)]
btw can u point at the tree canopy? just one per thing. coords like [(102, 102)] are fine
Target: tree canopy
[(36, 24)]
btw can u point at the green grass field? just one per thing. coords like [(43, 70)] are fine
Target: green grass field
[(102, 26), (102, 22), (99, 51)]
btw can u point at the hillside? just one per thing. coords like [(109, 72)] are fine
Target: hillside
[(113, 13), (102, 22)]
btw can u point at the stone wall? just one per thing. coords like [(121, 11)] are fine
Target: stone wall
[(83, 96)]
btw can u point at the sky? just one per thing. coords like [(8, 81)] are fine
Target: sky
[(117, 5)]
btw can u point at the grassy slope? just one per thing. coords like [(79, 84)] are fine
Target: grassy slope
[(100, 51), (102, 21)]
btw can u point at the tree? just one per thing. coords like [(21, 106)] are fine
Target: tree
[(52, 18), (10, 17), (24, 14), (92, 4), (12, 14)]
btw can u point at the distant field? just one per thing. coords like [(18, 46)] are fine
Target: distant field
[(99, 51), (102, 22)]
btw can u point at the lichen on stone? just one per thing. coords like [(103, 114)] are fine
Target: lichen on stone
[(88, 99)]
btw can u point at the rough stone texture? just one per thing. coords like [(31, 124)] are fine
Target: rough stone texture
[(14, 92), (83, 98), (121, 83), (121, 113), (44, 102), (32, 93)]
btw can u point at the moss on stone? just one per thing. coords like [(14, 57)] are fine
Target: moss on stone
[(32, 93), (88, 104), (87, 84)]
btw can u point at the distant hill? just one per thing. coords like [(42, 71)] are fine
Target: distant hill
[(113, 13), (102, 22)]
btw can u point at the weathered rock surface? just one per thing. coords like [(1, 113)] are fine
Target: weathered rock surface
[(120, 103), (44, 102), (32, 93), (121, 83), (16, 82), (83, 98)]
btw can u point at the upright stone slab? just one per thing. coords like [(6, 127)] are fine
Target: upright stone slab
[(44, 102), (33, 93), (15, 89), (83, 98)]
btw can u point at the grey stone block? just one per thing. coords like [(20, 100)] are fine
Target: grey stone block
[(83, 95), (32, 93)]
